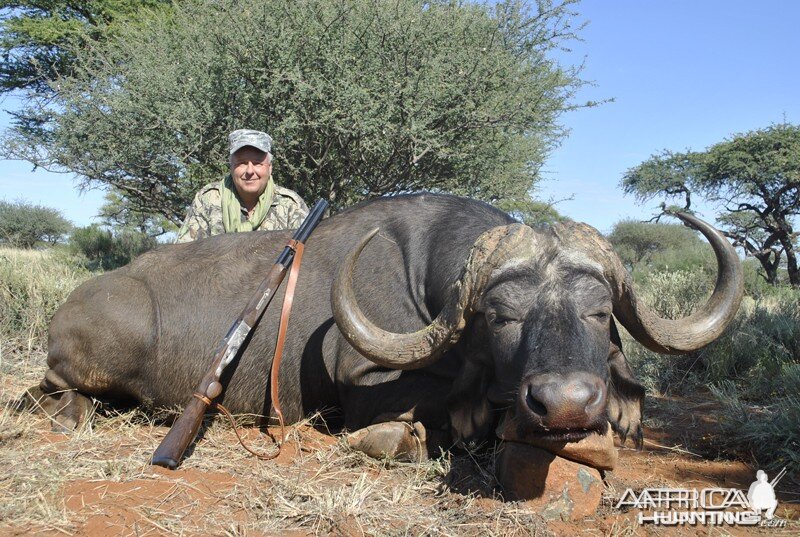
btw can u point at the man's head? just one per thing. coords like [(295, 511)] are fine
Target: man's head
[(251, 163)]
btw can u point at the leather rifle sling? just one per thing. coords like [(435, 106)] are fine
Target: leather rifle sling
[(288, 300)]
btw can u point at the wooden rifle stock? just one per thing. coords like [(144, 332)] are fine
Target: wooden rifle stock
[(184, 430)]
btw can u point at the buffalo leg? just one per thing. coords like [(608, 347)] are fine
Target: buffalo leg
[(403, 418), (58, 400)]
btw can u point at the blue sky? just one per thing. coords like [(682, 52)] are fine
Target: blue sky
[(683, 74)]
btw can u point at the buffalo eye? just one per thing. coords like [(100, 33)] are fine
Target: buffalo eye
[(498, 320), (600, 316)]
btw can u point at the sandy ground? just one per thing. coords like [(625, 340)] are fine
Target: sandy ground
[(97, 482)]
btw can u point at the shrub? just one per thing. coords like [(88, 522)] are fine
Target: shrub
[(638, 242), (102, 249), (23, 225)]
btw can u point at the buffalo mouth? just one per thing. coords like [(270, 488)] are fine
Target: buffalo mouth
[(591, 446), (565, 435), (511, 430)]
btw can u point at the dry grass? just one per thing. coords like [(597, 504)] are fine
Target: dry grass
[(97, 481), (32, 285), (98, 477)]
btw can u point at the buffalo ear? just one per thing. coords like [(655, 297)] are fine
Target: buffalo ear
[(625, 395), (468, 402)]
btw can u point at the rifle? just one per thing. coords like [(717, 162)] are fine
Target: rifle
[(185, 428)]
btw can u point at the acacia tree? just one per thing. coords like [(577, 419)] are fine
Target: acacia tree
[(117, 214), (24, 224), (637, 242), (753, 177), (38, 38), (363, 98)]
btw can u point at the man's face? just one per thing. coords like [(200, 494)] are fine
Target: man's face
[(250, 169)]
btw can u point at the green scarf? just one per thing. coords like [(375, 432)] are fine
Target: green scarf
[(232, 207)]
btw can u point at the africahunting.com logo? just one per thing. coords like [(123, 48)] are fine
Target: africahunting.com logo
[(709, 506)]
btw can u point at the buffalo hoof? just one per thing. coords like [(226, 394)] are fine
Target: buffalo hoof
[(66, 409), (547, 484), (394, 439)]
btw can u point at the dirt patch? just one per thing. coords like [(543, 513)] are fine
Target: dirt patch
[(108, 507)]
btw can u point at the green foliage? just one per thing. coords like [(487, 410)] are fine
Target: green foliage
[(24, 224), (102, 249), (693, 257), (643, 243), (531, 212), (33, 284), (38, 38), (755, 285), (119, 213), (755, 180), (763, 339), (363, 98)]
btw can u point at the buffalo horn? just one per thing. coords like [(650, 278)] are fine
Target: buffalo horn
[(423, 347), (667, 336)]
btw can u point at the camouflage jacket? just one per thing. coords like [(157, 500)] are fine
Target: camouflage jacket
[(205, 215)]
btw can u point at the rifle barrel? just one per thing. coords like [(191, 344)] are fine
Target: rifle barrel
[(778, 477), (303, 232)]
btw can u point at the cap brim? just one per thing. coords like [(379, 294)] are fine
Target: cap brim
[(235, 148)]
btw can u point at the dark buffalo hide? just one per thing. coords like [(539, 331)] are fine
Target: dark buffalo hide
[(523, 319)]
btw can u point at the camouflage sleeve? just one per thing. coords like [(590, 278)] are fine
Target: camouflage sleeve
[(297, 214), (194, 226)]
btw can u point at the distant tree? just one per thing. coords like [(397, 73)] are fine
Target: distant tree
[(638, 242), (23, 224), (39, 38), (748, 231), (119, 213), (753, 177), (532, 212), (363, 98)]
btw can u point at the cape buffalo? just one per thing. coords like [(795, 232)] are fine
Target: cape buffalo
[(424, 309)]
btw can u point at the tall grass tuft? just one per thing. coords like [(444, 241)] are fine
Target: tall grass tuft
[(768, 432), (33, 284), (753, 369)]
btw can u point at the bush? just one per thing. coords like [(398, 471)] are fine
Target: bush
[(639, 243), (22, 224), (102, 249)]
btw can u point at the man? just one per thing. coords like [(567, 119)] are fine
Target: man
[(247, 199), (761, 496)]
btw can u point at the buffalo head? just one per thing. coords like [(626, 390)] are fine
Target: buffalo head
[(532, 317)]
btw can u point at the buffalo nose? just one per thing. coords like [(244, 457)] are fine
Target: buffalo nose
[(573, 401)]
